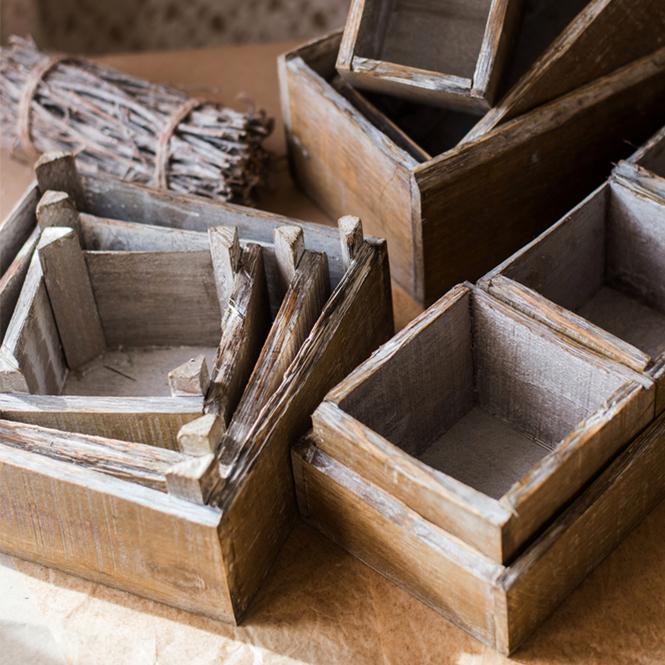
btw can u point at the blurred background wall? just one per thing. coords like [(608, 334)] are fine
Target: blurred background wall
[(102, 26)]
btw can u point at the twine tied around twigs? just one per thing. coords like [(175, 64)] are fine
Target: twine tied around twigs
[(127, 127)]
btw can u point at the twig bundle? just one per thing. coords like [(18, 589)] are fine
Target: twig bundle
[(128, 128)]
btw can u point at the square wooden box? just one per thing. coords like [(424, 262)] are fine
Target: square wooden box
[(482, 420), (448, 53), (598, 276), (647, 165), (452, 211), (103, 509), (501, 605)]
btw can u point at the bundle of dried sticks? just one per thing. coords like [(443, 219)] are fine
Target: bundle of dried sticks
[(128, 128)]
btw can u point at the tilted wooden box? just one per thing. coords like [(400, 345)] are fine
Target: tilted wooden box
[(482, 420), (453, 211), (446, 53), (501, 605), (121, 511), (598, 276)]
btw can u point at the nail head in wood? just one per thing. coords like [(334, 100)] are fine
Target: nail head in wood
[(57, 208), (190, 378), (289, 249), (193, 479), (57, 171), (226, 256), (201, 436), (351, 236)]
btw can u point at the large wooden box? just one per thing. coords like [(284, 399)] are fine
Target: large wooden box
[(598, 277), (449, 210), (482, 420), (155, 500), (501, 605)]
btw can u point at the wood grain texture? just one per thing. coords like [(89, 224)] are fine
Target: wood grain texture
[(470, 350), (262, 484), (70, 294), (57, 171), (616, 31), (499, 605), (151, 420), (156, 298), (57, 209)]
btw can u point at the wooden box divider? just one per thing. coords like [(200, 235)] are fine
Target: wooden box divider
[(646, 166)]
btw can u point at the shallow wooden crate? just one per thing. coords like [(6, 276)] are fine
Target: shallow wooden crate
[(444, 53), (646, 166), (598, 276), (452, 210), (482, 420), (500, 605), (194, 528)]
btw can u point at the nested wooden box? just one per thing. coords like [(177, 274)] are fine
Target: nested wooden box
[(598, 276), (121, 460), (647, 165), (452, 209), (482, 420), (446, 53), (501, 605)]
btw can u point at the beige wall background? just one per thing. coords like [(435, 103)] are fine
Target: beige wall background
[(104, 26)]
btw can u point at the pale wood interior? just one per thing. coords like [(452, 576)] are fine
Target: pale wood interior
[(133, 372), (606, 261), (443, 36), (481, 394)]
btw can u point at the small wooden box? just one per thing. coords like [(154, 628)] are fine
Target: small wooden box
[(598, 276), (501, 605), (647, 165), (449, 53), (482, 420), (452, 211), (103, 508)]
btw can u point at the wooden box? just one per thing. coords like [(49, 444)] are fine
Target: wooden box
[(452, 211), (598, 276), (482, 420), (647, 165), (447, 53), (173, 487), (501, 605)]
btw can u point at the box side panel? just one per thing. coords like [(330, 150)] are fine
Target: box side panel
[(259, 504), (483, 201), (110, 531), (348, 166), (399, 544), (586, 533)]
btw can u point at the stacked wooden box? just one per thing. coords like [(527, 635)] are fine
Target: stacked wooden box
[(496, 449), (122, 458), (387, 122)]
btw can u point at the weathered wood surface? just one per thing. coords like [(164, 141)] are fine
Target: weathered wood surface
[(70, 295), (156, 298), (133, 462), (113, 532), (513, 182), (57, 209), (598, 276), (499, 605), (57, 171), (151, 420), (444, 53), (646, 166), (575, 408), (190, 378), (615, 31), (261, 484)]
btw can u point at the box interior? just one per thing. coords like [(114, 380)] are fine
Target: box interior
[(481, 394), (654, 158), (449, 34), (606, 262)]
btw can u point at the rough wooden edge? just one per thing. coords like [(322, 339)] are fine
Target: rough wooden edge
[(190, 378), (57, 209), (57, 171)]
